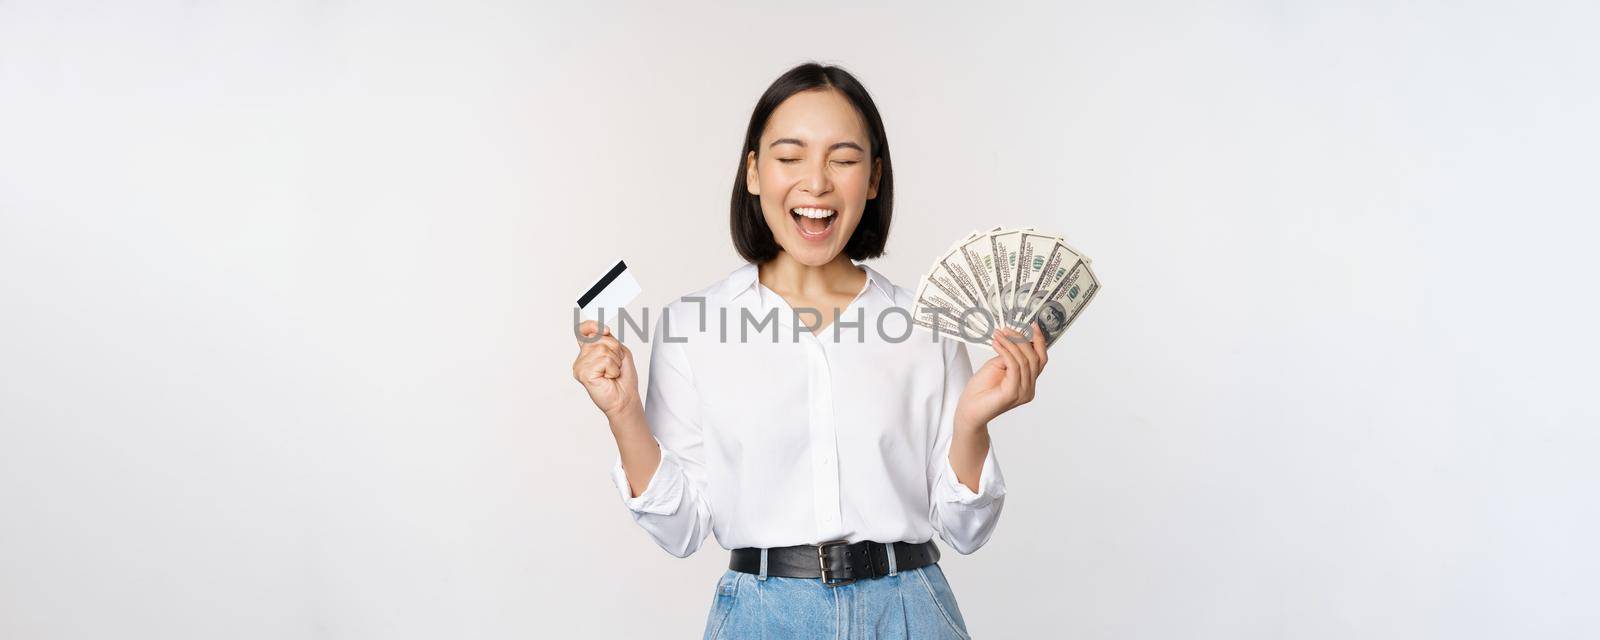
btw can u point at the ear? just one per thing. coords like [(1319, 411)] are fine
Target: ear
[(752, 178), (877, 172)]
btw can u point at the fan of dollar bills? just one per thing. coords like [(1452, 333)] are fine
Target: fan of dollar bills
[(1004, 278)]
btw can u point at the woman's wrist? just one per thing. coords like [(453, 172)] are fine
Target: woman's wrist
[(628, 421), (970, 426)]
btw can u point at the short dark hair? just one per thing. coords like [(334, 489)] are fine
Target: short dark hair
[(751, 236)]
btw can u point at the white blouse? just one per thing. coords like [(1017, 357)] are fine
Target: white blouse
[(787, 438)]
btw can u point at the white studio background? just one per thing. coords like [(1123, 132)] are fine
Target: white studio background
[(286, 290)]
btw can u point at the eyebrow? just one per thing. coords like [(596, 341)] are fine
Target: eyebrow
[(836, 145)]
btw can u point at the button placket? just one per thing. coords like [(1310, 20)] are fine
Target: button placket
[(824, 440)]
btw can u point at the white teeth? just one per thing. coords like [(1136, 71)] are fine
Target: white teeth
[(813, 213)]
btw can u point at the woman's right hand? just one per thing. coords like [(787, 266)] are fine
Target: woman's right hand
[(605, 367)]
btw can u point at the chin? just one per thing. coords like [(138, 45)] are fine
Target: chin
[(812, 256)]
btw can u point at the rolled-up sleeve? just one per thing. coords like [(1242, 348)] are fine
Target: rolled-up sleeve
[(673, 509), (964, 519)]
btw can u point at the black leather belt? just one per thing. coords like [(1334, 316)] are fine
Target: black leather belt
[(836, 560)]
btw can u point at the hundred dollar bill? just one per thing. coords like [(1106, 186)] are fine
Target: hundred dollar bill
[(1004, 277), (944, 282), (1005, 245), (1056, 309), (978, 254), (1034, 251), (1056, 269), (937, 313), (975, 320), (942, 278), (955, 264), (1086, 259), (923, 315)]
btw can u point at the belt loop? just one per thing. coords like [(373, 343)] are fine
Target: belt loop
[(889, 549), (763, 575)]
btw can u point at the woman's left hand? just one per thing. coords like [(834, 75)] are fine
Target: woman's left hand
[(1005, 382)]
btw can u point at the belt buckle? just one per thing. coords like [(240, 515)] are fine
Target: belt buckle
[(822, 561)]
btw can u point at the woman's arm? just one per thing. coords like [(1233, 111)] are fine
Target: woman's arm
[(970, 491), (660, 468), (640, 454), (974, 491), (965, 501), (605, 368), (969, 445)]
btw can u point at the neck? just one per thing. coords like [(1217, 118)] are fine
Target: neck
[(786, 275)]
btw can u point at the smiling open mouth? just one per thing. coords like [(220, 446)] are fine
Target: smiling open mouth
[(814, 224)]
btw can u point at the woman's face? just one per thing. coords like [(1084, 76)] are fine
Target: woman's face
[(813, 156)]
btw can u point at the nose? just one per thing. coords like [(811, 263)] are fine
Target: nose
[(816, 180)]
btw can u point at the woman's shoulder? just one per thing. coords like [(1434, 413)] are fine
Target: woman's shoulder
[(719, 291), (903, 296), (691, 308)]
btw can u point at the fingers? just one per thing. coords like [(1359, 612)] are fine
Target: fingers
[(615, 355), (627, 364), (604, 342), (588, 329), (610, 364), (1014, 371), (603, 357), (596, 364), (1039, 347), (1031, 361), (1024, 357), (613, 365), (1026, 352)]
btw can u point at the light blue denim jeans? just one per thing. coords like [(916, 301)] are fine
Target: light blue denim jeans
[(904, 605)]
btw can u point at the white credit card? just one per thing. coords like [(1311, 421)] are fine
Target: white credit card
[(612, 292)]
